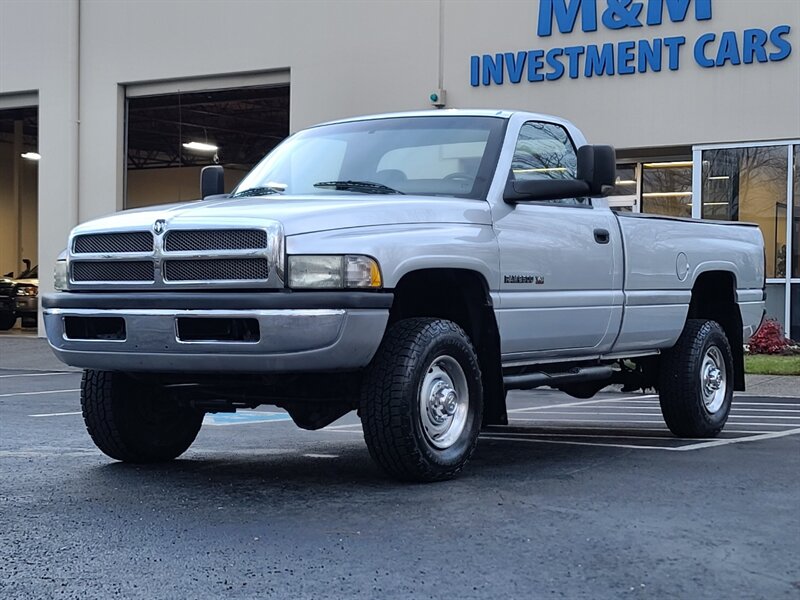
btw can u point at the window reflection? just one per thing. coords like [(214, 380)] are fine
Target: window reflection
[(544, 151), (625, 193), (796, 219), (749, 184), (667, 188)]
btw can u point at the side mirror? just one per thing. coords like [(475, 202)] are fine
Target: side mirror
[(597, 173), (212, 181), (597, 166)]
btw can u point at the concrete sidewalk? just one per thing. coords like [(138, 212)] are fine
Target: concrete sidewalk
[(27, 352)]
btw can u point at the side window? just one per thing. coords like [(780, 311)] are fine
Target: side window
[(545, 151)]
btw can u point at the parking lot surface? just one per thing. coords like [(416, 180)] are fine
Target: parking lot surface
[(574, 499)]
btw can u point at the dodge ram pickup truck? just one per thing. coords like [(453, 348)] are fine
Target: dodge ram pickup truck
[(413, 267)]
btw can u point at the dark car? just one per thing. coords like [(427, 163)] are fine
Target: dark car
[(8, 315), (27, 296)]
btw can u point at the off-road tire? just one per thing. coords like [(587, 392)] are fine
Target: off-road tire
[(390, 406), (681, 386), (134, 422)]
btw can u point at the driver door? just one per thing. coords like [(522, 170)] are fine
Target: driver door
[(560, 260)]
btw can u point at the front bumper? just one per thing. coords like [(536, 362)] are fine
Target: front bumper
[(298, 331), (27, 305)]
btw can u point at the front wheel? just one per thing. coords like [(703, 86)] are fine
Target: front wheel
[(696, 387), (132, 421), (7, 322), (422, 400)]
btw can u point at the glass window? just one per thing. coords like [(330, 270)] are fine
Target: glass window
[(794, 332), (625, 193), (667, 188), (544, 151), (775, 303), (796, 217), (458, 160), (447, 156), (749, 184)]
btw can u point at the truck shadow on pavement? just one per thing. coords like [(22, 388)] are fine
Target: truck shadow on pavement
[(236, 474)]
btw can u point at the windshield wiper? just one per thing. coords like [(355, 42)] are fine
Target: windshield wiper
[(258, 191), (367, 187)]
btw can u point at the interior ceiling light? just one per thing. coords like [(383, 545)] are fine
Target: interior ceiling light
[(200, 147), (666, 194), (31, 155), (679, 164)]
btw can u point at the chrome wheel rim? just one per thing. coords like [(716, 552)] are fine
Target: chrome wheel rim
[(443, 402), (713, 380)]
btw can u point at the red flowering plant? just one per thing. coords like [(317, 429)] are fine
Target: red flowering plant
[(769, 339)]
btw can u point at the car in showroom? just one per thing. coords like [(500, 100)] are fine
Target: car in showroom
[(26, 296), (8, 309)]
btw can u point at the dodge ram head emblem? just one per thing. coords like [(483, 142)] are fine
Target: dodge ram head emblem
[(158, 226)]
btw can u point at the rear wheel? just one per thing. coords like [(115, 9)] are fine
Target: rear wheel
[(696, 387), (132, 421), (422, 400)]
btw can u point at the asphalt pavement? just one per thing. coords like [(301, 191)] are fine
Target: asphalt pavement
[(574, 499)]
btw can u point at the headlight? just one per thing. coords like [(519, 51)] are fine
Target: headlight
[(324, 271), (60, 276), (27, 290)]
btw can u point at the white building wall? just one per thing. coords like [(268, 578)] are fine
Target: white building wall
[(39, 54)]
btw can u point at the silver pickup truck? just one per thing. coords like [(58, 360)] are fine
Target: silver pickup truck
[(413, 267)]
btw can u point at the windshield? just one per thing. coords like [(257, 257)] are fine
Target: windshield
[(429, 156)]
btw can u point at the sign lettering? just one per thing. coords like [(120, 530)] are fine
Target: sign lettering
[(709, 50)]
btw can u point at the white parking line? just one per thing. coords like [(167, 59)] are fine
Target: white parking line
[(626, 422), (41, 374), (583, 403), (637, 414), (685, 448), (570, 443), (37, 393), (754, 438), (61, 414)]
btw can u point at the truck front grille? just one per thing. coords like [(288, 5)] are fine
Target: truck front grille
[(231, 269), (134, 270), (113, 243), (184, 255), (215, 240)]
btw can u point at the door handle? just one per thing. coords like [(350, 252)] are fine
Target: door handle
[(601, 236)]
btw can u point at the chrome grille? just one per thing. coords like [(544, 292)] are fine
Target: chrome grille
[(215, 239), (113, 243), (139, 270), (236, 269)]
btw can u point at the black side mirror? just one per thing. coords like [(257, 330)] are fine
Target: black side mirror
[(597, 166), (597, 173), (212, 181)]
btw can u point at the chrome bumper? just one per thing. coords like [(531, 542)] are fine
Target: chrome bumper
[(289, 340)]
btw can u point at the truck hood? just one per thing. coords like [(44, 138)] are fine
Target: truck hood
[(299, 214)]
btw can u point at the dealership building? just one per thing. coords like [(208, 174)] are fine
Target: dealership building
[(110, 105)]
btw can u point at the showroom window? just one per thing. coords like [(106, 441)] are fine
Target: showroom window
[(758, 183), (655, 181), (667, 188), (749, 184)]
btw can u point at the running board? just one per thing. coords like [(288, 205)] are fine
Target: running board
[(528, 381)]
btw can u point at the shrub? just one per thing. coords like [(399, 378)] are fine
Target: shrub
[(769, 339)]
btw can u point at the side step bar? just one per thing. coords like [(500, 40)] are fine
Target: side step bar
[(528, 381)]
